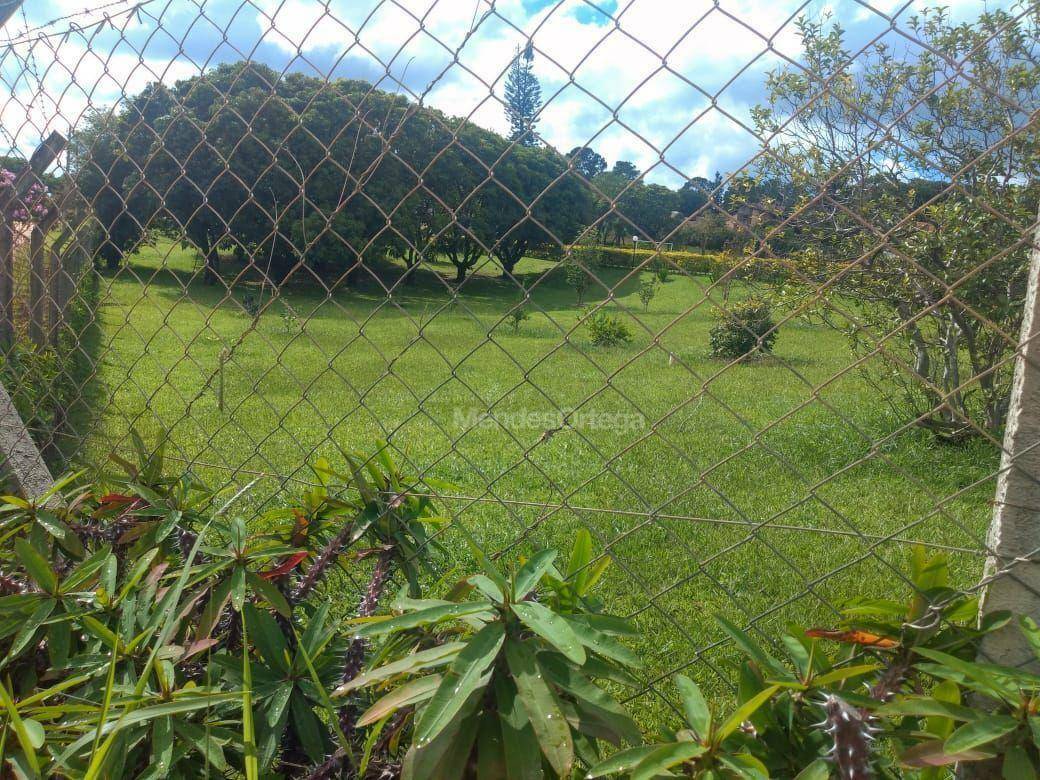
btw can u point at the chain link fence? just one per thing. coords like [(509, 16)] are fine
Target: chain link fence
[(272, 232)]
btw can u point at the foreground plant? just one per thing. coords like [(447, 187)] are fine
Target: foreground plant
[(517, 695)]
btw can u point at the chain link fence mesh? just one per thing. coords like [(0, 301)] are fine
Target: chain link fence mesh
[(272, 236)]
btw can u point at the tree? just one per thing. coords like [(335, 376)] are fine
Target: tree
[(587, 162), (626, 170), (523, 98), (944, 286)]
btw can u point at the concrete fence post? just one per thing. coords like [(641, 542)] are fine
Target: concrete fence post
[(1012, 573)]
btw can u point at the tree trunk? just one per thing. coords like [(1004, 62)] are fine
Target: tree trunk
[(212, 274)]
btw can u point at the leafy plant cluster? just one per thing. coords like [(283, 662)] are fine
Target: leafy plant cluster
[(149, 630), (607, 330), (744, 328)]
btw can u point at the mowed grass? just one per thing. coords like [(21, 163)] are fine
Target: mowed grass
[(752, 490)]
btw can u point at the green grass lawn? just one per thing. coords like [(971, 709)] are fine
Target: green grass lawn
[(753, 490)]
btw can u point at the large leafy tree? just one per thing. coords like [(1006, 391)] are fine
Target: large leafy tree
[(911, 179)]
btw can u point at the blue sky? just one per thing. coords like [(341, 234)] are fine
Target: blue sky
[(664, 83)]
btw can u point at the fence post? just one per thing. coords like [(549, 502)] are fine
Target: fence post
[(6, 282), (1014, 532), (38, 278)]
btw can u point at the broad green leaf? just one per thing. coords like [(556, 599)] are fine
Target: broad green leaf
[(491, 759), (581, 557), (591, 700), (29, 627), (410, 693), (543, 710), (662, 758), (743, 712), (307, 727), (605, 645), (551, 627), (926, 706), (767, 663), (267, 635), (817, 770), (162, 746), (523, 757), (622, 761), (139, 570), (977, 733), (64, 535), (487, 586), (22, 733), (413, 662), (842, 674), (461, 679), (270, 594), (422, 617), (238, 586), (36, 566), (86, 569), (1017, 765), (531, 573), (696, 709)]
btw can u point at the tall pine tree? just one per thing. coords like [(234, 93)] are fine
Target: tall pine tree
[(523, 98)]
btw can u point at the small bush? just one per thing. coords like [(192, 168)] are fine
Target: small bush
[(577, 278), (251, 304), (744, 328), (607, 330), (517, 316), (647, 291)]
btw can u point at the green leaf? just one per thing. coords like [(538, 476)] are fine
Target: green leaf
[(487, 586), (752, 650), (64, 535), (743, 712), (698, 714), (238, 586), (86, 569), (531, 573), (248, 730), (662, 758), (817, 770), (413, 692), (162, 747), (979, 732), (491, 759), (462, 678), (411, 663), (21, 732), (270, 594), (520, 746), (543, 710), (29, 627), (268, 637), (591, 700), (926, 706), (422, 617), (36, 566), (842, 674), (603, 644), (1017, 765), (622, 761), (551, 627), (139, 570), (307, 727), (581, 556)]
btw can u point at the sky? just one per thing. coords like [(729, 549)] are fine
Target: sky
[(667, 84)]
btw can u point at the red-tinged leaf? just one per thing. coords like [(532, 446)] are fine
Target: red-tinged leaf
[(928, 754), (285, 566), (157, 571), (198, 646), (853, 637)]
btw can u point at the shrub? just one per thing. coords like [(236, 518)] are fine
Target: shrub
[(607, 330), (517, 316), (744, 328), (647, 291), (578, 278)]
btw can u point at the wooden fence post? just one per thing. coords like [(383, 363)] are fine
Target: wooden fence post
[(57, 283)]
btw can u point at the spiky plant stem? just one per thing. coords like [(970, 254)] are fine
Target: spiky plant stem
[(355, 659), (322, 563), (850, 730)]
